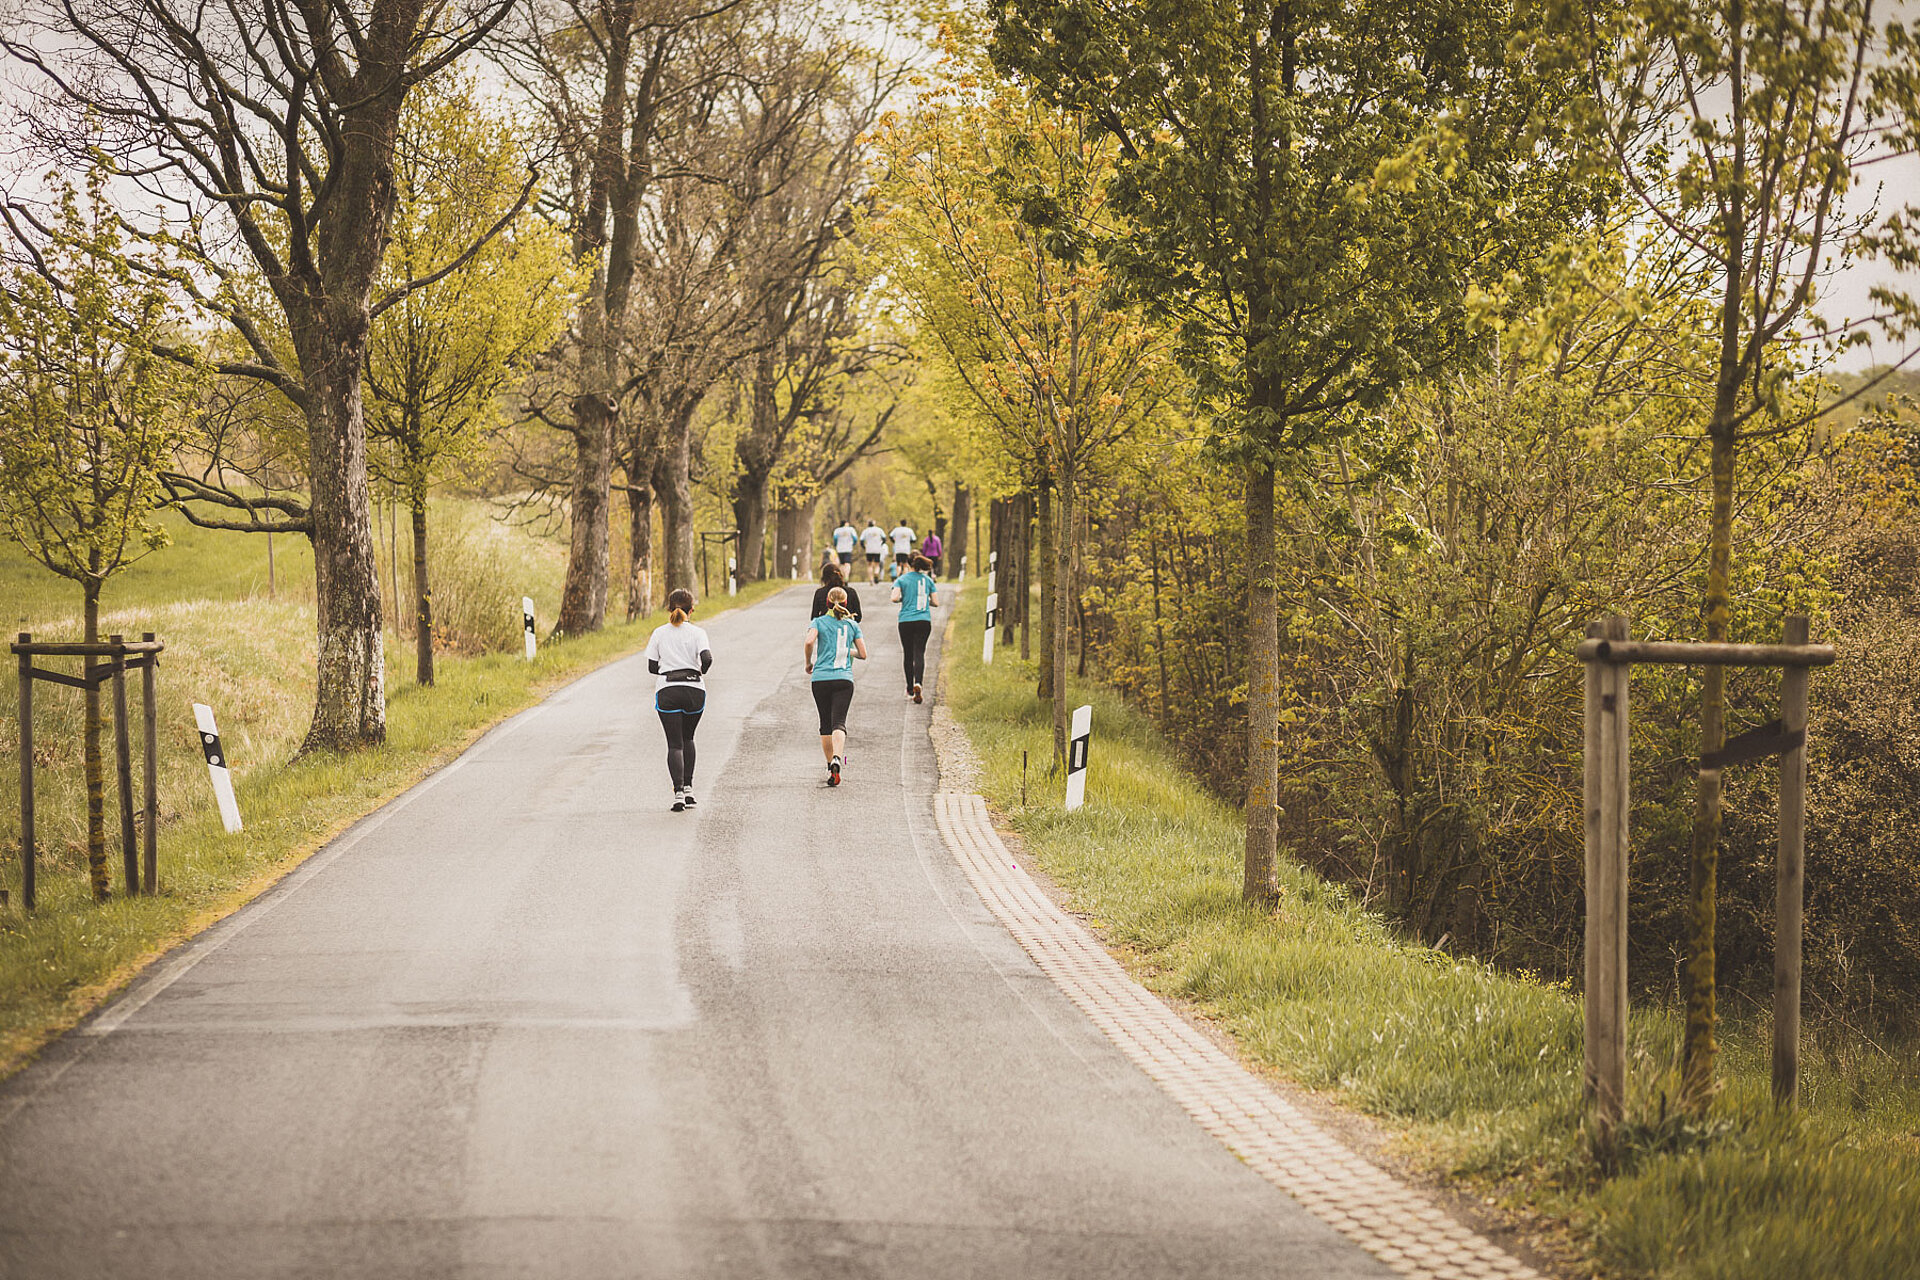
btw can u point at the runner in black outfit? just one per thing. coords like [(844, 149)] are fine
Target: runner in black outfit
[(831, 576)]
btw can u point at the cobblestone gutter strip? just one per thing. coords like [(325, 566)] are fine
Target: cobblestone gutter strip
[(1390, 1220)]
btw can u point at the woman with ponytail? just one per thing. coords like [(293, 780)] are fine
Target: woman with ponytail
[(914, 590), (833, 642), (678, 655)]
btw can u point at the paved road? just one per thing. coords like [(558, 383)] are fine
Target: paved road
[(527, 1022)]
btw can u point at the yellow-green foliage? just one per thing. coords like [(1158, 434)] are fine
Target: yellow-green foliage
[(1476, 1069)]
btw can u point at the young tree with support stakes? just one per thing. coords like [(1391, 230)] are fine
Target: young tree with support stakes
[(89, 414), (439, 361), (264, 135), (1746, 129), (1314, 191)]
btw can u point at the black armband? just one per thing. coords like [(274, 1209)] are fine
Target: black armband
[(706, 661)]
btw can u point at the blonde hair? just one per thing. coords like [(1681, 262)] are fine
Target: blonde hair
[(837, 603), (680, 602)]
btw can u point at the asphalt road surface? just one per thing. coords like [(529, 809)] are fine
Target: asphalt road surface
[(527, 1022)]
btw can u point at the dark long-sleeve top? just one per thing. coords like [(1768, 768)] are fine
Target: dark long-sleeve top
[(820, 602)]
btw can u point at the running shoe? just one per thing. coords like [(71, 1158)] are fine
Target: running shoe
[(679, 801), (916, 692), (833, 772), (687, 796)]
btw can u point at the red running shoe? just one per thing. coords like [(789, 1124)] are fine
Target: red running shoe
[(833, 772)]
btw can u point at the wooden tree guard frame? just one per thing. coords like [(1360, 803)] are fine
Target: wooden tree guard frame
[(124, 656), (1608, 655)]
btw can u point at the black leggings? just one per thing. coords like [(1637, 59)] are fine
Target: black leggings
[(913, 646), (832, 697), (680, 707)]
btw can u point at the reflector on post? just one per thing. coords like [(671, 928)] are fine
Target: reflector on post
[(1081, 738), (993, 612), (217, 767), (526, 616)]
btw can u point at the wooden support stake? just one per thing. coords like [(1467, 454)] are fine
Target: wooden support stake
[(123, 746), (1607, 806), (1790, 877), (26, 773), (150, 769)]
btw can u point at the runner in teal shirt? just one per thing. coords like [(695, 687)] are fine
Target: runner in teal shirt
[(833, 644), (915, 590)]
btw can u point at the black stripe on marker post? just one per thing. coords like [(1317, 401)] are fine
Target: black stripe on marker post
[(215, 753)]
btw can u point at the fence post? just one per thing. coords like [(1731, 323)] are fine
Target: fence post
[(150, 769), (1606, 794), (123, 772), (26, 772), (1790, 875)]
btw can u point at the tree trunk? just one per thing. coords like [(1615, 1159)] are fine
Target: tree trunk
[(583, 596), (1061, 571), (1698, 1046), (640, 550), (785, 544), (1023, 556), (794, 537), (674, 483), (750, 517), (422, 590), (350, 705), (1049, 599), (90, 748), (955, 549), (1263, 690)]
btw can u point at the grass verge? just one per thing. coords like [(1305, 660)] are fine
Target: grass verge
[(1476, 1071), (253, 659)]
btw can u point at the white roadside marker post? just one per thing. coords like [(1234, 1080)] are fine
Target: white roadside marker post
[(1077, 757), (986, 645), (794, 569), (526, 620), (733, 579), (963, 570), (217, 767), (993, 568)]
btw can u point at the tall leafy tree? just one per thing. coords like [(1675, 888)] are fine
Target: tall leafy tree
[(263, 136), (89, 414), (990, 206), (1746, 130), (439, 360), (1315, 187)]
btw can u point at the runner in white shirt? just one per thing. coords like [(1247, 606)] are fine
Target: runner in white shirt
[(902, 535), (874, 539), (843, 539), (678, 655)]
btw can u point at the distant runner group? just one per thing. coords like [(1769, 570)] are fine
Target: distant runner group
[(874, 543), (679, 655)]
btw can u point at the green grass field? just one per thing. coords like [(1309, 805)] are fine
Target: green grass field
[(1477, 1071), (250, 657)]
